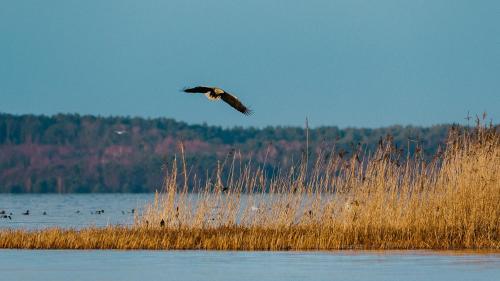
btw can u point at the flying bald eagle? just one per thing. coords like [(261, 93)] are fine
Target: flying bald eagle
[(213, 93)]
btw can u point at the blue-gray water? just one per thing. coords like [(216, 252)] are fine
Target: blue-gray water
[(209, 265), (78, 210), (70, 210)]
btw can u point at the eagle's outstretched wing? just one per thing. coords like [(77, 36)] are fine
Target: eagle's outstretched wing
[(199, 89), (235, 103)]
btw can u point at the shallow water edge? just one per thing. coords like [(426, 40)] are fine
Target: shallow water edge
[(231, 265)]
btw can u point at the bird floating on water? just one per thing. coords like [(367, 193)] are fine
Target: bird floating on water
[(214, 93), (98, 212)]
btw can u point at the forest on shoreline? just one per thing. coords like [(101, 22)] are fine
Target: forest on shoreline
[(67, 153)]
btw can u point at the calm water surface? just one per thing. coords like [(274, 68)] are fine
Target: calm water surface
[(70, 210), (211, 265), (77, 210)]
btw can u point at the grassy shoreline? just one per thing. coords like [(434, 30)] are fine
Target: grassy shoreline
[(234, 238), (380, 201)]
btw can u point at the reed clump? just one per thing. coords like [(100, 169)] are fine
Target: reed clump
[(382, 200)]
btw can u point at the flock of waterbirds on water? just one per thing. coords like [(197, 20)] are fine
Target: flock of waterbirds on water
[(9, 215)]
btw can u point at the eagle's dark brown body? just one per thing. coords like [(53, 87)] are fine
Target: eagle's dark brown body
[(214, 93)]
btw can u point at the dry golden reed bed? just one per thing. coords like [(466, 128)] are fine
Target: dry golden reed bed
[(384, 200)]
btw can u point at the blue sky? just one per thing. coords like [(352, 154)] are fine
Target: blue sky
[(344, 63)]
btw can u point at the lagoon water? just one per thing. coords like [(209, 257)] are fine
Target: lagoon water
[(70, 210), (78, 210), (211, 265)]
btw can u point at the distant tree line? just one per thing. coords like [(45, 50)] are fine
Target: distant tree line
[(81, 153)]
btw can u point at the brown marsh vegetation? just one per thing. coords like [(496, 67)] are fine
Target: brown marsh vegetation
[(382, 200)]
